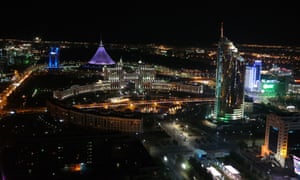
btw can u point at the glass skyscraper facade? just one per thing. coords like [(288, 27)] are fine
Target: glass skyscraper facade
[(230, 76), (253, 77)]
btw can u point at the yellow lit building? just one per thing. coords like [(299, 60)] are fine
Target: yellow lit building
[(281, 136)]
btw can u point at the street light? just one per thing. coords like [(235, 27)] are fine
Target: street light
[(183, 166), (165, 159)]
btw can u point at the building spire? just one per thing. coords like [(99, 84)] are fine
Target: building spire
[(222, 35), (101, 43), (121, 60)]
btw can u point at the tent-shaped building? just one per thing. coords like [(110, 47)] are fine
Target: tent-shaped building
[(101, 57)]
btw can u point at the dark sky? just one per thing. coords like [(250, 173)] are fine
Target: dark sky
[(171, 23)]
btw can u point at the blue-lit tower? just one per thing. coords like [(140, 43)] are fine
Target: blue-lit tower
[(257, 65), (253, 77), (53, 57)]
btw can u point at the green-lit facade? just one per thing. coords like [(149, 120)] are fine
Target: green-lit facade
[(230, 77), (270, 88)]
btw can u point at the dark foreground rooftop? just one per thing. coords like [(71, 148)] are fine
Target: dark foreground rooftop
[(71, 153)]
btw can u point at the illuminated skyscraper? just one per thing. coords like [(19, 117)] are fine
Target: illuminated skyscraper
[(230, 74), (53, 57), (253, 77)]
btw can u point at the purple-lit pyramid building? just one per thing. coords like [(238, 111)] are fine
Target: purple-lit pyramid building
[(101, 57)]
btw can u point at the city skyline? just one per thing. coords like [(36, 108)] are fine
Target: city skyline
[(65, 113)]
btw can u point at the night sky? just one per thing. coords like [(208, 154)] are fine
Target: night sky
[(171, 23)]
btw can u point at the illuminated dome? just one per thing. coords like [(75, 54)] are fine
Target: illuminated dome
[(101, 57)]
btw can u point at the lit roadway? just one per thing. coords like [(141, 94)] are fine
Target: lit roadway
[(110, 105), (184, 139), (12, 87), (143, 102), (180, 134)]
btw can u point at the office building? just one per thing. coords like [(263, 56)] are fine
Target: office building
[(253, 77), (230, 74), (281, 137)]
